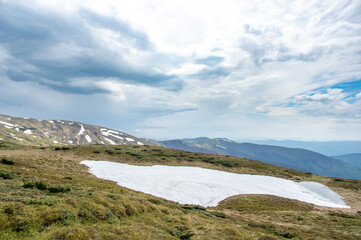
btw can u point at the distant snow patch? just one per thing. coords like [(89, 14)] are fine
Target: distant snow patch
[(6, 126), (70, 141), (1, 139), (110, 141), (102, 142), (39, 120), (206, 187), (221, 146), (129, 139), (88, 139), (140, 143), (51, 121), (28, 131), (81, 130), (115, 136), (55, 141), (17, 129)]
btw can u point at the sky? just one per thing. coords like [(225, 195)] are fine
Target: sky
[(174, 69)]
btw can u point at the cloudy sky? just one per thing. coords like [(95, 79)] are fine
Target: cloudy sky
[(174, 69)]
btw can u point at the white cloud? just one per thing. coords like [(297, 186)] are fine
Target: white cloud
[(273, 59)]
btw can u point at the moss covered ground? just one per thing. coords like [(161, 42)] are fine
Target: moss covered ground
[(46, 194)]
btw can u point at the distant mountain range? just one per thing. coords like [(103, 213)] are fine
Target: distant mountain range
[(294, 158), (37, 132), (329, 148), (353, 158)]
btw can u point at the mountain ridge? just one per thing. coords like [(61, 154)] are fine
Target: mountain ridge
[(37, 132), (294, 158)]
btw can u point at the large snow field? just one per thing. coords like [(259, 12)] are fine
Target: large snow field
[(206, 187)]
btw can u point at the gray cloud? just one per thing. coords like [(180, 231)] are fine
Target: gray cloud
[(31, 37)]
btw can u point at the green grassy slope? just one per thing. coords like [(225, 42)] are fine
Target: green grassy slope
[(47, 194)]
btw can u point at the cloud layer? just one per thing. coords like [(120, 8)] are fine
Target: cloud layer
[(166, 69)]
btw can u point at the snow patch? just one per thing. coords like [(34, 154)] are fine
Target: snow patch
[(6, 126), (17, 129), (129, 139), (1, 139), (110, 141), (227, 140), (55, 141), (115, 136), (221, 146), (88, 139), (28, 131), (140, 143), (51, 121), (70, 141), (81, 130), (206, 187)]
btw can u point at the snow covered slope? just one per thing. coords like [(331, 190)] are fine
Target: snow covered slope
[(206, 187), (37, 132)]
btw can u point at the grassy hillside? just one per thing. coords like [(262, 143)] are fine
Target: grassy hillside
[(46, 194)]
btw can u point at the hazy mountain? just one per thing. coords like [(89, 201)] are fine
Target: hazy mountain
[(36, 132), (295, 158), (332, 148), (352, 158)]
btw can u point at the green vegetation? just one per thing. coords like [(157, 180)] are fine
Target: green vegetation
[(7, 162), (51, 196)]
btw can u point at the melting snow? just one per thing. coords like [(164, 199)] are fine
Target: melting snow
[(81, 130), (70, 141), (110, 141), (206, 187), (129, 139), (115, 136), (28, 131), (8, 126), (140, 143), (17, 129), (88, 139), (51, 121), (111, 133), (55, 141), (221, 146)]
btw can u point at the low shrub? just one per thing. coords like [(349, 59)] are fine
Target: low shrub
[(6, 175), (6, 161), (343, 215), (218, 214), (182, 232), (44, 186), (57, 189)]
